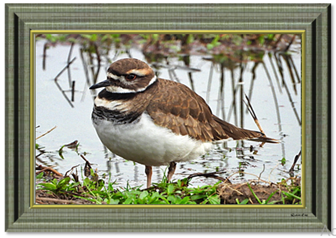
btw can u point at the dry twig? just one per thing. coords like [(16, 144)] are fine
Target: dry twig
[(50, 169), (46, 133)]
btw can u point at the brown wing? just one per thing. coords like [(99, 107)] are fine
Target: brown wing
[(180, 109)]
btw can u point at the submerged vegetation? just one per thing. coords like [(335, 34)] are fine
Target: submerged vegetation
[(228, 53)]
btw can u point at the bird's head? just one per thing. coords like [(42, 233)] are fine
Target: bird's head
[(127, 76)]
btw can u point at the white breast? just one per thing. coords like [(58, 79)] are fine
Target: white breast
[(149, 144)]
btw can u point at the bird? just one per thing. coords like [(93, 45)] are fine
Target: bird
[(156, 122)]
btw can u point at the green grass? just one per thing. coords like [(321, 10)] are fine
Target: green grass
[(98, 191), (160, 193)]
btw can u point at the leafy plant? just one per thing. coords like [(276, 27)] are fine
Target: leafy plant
[(161, 193), (56, 186)]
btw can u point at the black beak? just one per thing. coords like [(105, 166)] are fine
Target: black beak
[(104, 83)]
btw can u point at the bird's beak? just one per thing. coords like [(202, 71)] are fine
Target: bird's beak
[(104, 83)]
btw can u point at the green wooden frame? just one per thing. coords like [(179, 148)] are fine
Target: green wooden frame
[(313, 19)]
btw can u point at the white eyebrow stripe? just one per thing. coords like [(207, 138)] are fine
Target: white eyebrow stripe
[(113, 76)]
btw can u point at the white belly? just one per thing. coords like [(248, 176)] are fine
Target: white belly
[(149, 144)]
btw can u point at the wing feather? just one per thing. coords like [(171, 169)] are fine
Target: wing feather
[(180, 109)]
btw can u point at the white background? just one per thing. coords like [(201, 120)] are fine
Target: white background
[(148, 235)]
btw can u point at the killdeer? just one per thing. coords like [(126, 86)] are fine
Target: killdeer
[(154, 122)]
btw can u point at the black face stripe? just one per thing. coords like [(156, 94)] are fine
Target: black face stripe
[(115, 96)]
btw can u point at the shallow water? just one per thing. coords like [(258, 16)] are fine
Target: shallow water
[(74, 123)]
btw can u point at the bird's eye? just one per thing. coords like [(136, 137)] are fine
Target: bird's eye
[(131, 77)]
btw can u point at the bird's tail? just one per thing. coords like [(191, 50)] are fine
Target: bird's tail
[(237, 133), (265, 139)]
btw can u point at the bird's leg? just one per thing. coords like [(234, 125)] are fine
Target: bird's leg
[(171, 171), (149, 172)]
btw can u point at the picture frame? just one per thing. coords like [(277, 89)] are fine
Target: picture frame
[(313, 19)]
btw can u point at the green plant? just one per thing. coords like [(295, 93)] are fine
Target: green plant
[(293, 193), (283, 161), (263, 201), (215, 42), (56, 186), (161, 193), (40, 175), (245, 201)]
